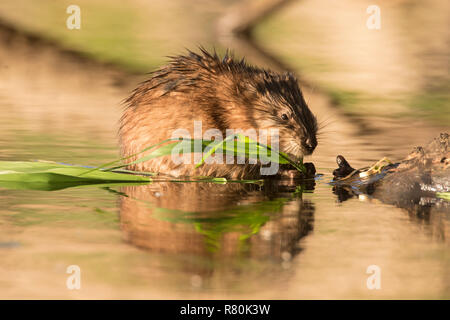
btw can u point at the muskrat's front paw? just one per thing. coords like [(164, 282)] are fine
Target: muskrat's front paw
[(289, 172), (310, 169)]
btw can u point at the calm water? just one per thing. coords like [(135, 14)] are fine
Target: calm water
[(202, 240)]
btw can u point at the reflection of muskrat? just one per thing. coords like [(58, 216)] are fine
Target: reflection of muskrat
[(222, 94), (189, 218)]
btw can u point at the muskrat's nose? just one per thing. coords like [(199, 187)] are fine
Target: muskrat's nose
[(309, 144)]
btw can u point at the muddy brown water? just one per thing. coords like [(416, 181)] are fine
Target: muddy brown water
[(168, 240)]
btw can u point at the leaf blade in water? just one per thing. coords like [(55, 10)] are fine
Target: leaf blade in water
[(22, 174)]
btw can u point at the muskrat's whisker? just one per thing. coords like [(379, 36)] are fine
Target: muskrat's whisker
[(321, 128), (326, 133), (326, 122), (329, 120), (326, 130), (327, 117), (311, 94)]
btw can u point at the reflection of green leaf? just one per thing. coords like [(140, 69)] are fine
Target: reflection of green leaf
[(245, 219), (53, 176)]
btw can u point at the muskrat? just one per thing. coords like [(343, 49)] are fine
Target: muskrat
[(223, 94)]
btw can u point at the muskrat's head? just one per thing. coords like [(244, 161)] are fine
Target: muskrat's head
[(280, 104), (263, 99)]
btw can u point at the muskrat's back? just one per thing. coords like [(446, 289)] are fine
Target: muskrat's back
[(220, 94)]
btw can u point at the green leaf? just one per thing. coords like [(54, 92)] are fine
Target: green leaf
[(125, 158), (52, 176), (212, 148)]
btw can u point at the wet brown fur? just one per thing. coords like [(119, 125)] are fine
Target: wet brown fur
[(223, 94)]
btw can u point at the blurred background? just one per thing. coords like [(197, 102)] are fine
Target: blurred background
[(401, 69)]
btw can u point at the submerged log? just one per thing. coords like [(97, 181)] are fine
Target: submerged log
[(418, 179)]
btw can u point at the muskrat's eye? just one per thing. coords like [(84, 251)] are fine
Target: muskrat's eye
[(284, 116)]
